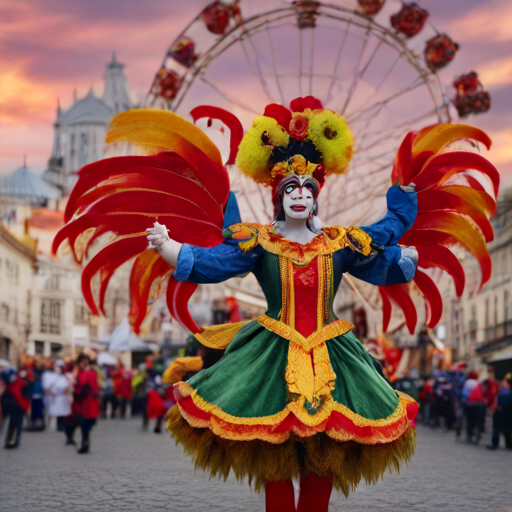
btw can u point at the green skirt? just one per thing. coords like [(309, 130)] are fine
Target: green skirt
[(269, 408)]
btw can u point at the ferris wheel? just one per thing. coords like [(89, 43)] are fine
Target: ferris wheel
[(373, 61)]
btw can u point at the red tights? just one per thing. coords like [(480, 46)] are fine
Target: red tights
[(315, 492), (279, 496)]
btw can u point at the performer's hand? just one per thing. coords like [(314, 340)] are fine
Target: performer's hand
[(408, 188), (158, 235), (167, 248)]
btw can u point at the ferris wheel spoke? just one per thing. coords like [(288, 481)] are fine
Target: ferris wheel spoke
[(274, 65), (390, 70), (409, 122), (257, 68), (356, 72), (362, 132), (234, 101), (337, 63), (417, 82), (370, 174), (395, 130), (300, 62), (264, 203), (365, 199), (375, 158), (312, 62), (246, 194), (359, 75)]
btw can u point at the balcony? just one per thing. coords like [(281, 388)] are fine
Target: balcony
[(496, 337)]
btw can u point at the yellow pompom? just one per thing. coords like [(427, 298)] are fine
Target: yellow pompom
[(257, 145), (332, 137)]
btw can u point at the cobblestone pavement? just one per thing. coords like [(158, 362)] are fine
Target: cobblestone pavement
[(131, 470)]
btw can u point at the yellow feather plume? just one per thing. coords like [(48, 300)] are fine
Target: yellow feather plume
[(160, 130)]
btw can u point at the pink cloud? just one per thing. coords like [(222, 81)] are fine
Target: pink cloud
[(50, 47)]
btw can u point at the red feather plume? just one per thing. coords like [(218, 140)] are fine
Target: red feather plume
[(185, 188), (454, 209)]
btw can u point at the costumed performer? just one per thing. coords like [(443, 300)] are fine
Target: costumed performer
[(295, 394)]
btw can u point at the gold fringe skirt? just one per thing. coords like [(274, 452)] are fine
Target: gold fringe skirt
[(260, 462)]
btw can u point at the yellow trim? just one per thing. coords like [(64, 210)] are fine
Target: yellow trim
[(332, 239), (310, 374), (329, 292), (327, 332), (297, 408), (326, 242), (321, 294), (287, 314), (219, 336)]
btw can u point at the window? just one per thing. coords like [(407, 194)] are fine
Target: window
[(55, 348), (4, 312), (52, 283), (505, 306), (4, 347), (12, 271), (495, 310), (39, 347), (84, 140), (80, 312), (72, 147), (486, 312), (50, 316), (504, 266)]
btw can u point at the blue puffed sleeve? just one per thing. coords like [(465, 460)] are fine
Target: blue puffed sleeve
[(215, 264), (402, 210), (392, 265), (389, 263)]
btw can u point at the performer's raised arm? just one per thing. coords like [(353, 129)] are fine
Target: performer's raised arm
[(202, 265), (380, 260)]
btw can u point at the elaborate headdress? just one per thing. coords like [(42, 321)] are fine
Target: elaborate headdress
[(305, 139)]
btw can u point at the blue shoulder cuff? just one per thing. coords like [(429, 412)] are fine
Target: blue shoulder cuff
[(185, 263)]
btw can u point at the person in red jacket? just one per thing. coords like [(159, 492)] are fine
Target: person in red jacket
[(15, 404), (86, 404), (123, 388)]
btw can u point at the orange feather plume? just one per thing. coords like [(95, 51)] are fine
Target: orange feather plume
[(454, 209)]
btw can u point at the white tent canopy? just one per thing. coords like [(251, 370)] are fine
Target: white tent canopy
[(104, 358), (123, 339)]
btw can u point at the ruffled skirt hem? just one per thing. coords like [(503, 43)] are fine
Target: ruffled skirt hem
[(259, 461)]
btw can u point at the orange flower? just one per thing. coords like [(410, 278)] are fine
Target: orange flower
[(298, 128)]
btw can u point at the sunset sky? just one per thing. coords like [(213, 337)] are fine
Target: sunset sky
[(50, 47)]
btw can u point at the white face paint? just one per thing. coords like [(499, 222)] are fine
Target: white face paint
[(298, 201)]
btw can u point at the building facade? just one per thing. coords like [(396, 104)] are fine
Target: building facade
[(481, 323), (17, 258), (60, 319)]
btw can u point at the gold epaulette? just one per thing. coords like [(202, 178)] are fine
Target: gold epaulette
[(247, 233), (358, 240)]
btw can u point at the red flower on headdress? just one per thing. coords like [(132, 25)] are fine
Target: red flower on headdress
[(300, 104), (281, 114), (298, 128)]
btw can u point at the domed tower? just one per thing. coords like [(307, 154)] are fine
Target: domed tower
[(80, 130)]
